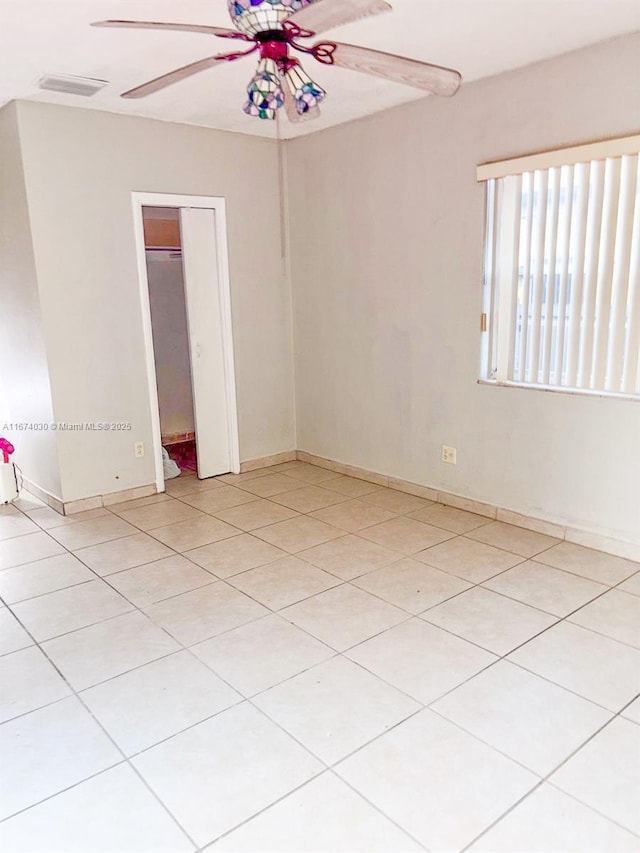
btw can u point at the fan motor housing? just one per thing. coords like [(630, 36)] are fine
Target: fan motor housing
[(274, 44)]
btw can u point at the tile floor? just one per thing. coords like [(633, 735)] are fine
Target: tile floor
[(293, 660)]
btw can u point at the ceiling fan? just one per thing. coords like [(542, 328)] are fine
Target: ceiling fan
[(273, 28)]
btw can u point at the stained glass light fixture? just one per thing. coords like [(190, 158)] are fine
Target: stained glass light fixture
[(273, 28), (265, 91)]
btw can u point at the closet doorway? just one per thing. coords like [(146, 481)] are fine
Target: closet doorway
[(186, 312)]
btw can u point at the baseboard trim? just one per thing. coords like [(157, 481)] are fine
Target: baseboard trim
[(575, 535), (42, 495), (83, 504), (268, 461)]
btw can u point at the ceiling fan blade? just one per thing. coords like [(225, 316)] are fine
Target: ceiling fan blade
[(411, 72), (292, 113), (325, 14), (157, 25), (174, 77)]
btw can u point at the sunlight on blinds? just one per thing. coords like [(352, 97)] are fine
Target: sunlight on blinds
[(562, 276)]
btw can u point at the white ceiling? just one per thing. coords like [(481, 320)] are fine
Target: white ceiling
[(478, 37)]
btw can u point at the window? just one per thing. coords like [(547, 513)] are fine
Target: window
[(562, 270)]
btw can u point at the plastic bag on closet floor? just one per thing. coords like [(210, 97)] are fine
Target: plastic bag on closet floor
[(170, 468)]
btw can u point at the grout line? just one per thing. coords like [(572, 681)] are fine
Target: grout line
[(48, 592), (64, 790), (392, 820), (546, 779)]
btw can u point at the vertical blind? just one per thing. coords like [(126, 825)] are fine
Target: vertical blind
[(562, 272)]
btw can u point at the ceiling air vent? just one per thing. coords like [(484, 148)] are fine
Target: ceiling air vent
[(85, 86)]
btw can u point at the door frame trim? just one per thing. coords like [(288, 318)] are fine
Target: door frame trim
[(140, 200)]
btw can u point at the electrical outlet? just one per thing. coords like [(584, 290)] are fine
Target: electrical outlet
[(138, 449), (449, 455)]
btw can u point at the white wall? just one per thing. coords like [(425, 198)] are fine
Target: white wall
[(25, 394), (80, 169), (170, 343), (386, 235)]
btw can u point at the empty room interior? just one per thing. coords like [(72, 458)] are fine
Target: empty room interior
[(320, 426)]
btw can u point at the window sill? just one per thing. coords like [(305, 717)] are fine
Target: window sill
[(574, 392)]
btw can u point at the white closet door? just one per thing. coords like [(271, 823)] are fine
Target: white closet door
[(204, 317)]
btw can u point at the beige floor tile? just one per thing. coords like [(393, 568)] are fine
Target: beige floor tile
[(548, 589), (406, 535), (109, 648), (420, 659), (194, 532), (48, 518), (615, 614), (350, 487), (450, 518), (310, 473), (224, 497), (258, 513), (526, 543), (284, 467), (398, 502), (81, 820), (68, 609), (25, 503), (492, 621), (467, 559), (125, 506), (549, 820), (12, 635), (631, 585), (85, 533), (188, 484), (451, 780), (602, 670), (203, 613), (28, 682), (121, 554), (144, 585), (309, 498), (261, 654), (354, 515), (28, 549), (298, 533), (16, 525), (523, 716), (49, 750), (238, 760), (270, 485), (160, 514), (325, 816), (9, 509), (343, 616), (605, 774), (232, 556), (43, 576), (158, 700), (335, 708), (437, 782), (411, 585), (283, 582), (238, 479), (349, 557), (595, 565)]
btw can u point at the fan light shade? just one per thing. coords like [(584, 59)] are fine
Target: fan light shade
[(255, 16), (306, 93), (265, 91)]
